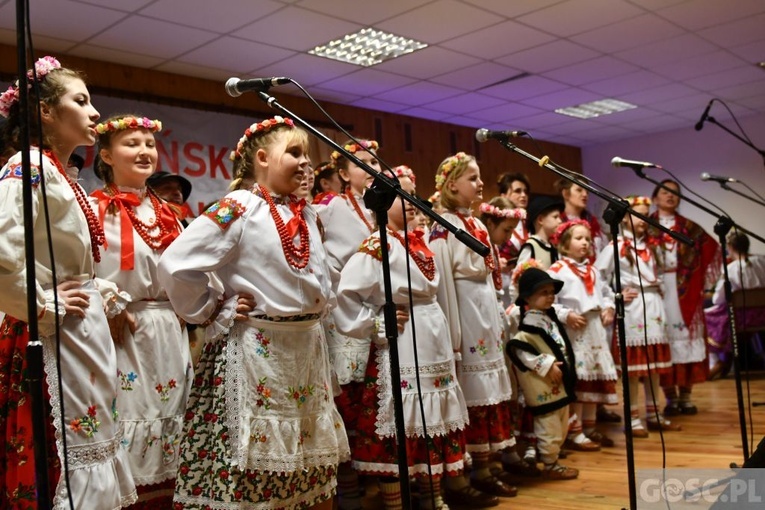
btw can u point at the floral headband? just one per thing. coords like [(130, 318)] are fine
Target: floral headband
[(259, 127), (130, 122), (435, 197), (319, 169), (563, 227), (521, 268), (447, 166), (42, 67), (634, 200), (353, 148), (496, 212), (404, 171)]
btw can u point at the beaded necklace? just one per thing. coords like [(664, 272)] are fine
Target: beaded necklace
[(427, 265), (496, 273), (97, 237), (297, 257), (356, 208), (144, 229)]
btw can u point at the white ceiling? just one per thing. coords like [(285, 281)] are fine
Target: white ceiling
[(669, 57)]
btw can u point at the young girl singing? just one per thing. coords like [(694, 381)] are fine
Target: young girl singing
[(153, 363), (360, 300), (643, 324), (83, 406), (468, 297), (262, 429), (586, 295)]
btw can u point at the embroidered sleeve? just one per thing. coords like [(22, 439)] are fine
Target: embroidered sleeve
[(224, 212), (556, 267), (14, 171), (372, 246), (438, 232)]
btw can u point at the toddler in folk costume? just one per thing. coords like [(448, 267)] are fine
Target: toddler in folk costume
[(648, 351), (467, 295), (545, 361), (360, 313), (586, 295), (262, 430)]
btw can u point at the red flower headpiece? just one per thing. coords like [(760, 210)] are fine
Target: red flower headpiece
[(353, 148), (259, 127), (521, 268), (404, 171), (563, 227)]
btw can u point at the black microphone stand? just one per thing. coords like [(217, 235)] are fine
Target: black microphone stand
[(724, 185), (34, 353), (615, 211), (736, 135), (382, 193), (721, 228)]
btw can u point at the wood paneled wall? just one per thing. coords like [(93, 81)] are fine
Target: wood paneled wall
[(431, 141)]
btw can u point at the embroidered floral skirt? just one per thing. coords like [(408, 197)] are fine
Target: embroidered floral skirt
[(262, 430), (595, 369), (374, 454)]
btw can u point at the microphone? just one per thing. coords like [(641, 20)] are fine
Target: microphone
[(635, 165), (717, 178), (483, 135), (236, 87), (700, 123)]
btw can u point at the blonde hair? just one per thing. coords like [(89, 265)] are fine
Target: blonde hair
[(244, 164), (500, 203), (449, 170), (565, 235)]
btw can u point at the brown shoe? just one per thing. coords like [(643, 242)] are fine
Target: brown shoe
[(522, 468), (605, 416), (663, 424), (494, 486), (639, 432), (470, 498), (601, 439), (584, 446), (558, 472)]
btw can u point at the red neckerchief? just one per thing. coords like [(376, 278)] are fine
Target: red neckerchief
[(627, 246), (417, 244), (296, 206), (121, 201), (587, 276), (479, 234)]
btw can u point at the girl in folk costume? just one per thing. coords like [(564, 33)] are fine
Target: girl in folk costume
[(638, 266), (347, 222), (575, 199), (327, 183), (306, 184), (585, 294), (153, 368), (83, 408), (468, 297), (262, 430), (688, 270), (360, 313), (515, 188), (421, 221)]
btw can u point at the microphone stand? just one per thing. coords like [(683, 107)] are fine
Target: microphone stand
[(721, 228), (615, 211), (724, 185), (34, 351), (382, 193), (736, 135)]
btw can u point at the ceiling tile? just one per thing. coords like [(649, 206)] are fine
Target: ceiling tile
[(667, 51), (427, 63), (465, 103), (514, 37), (122, 5), (626, 83), (50, 44), (754, 52), (523, 88), (562, 99), (549, 56), (236, 55), (630, 33), (377, 104), (695, 102), (211, 16), (476, 77), (743, 91), (512, 9), (176, 39), (367, 82), (296, 29), (368, 14), (701, 65), (705, 13), (507, 113), (111, 55), (542, 120), (62, 20), (591, 70), (439, 21), (424, 113), (576, 16), (465, 121), (736, 33), (333, 96), (307, 69), (737, 76), (198, 71), (418, 94), (656, 94)]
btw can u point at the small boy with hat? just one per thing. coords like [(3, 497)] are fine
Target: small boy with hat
[(544, 359), (542, 218)]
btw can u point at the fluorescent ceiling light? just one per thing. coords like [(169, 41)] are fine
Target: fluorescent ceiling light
[(367, 47), (595, 109)]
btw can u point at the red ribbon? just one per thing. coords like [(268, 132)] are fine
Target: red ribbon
[(417, 244), (587, 276), (169, 220), (120, 200), (297, 209), (643, 253), (476, 232)]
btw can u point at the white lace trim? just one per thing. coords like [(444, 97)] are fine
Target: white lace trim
[(443, 368), (488, 366), (264, 505), (116, 302), (493, 447), (82, 456), (600, 398), (234, 389)]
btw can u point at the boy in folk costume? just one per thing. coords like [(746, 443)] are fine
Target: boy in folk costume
[(545, 360), (542, 218)]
